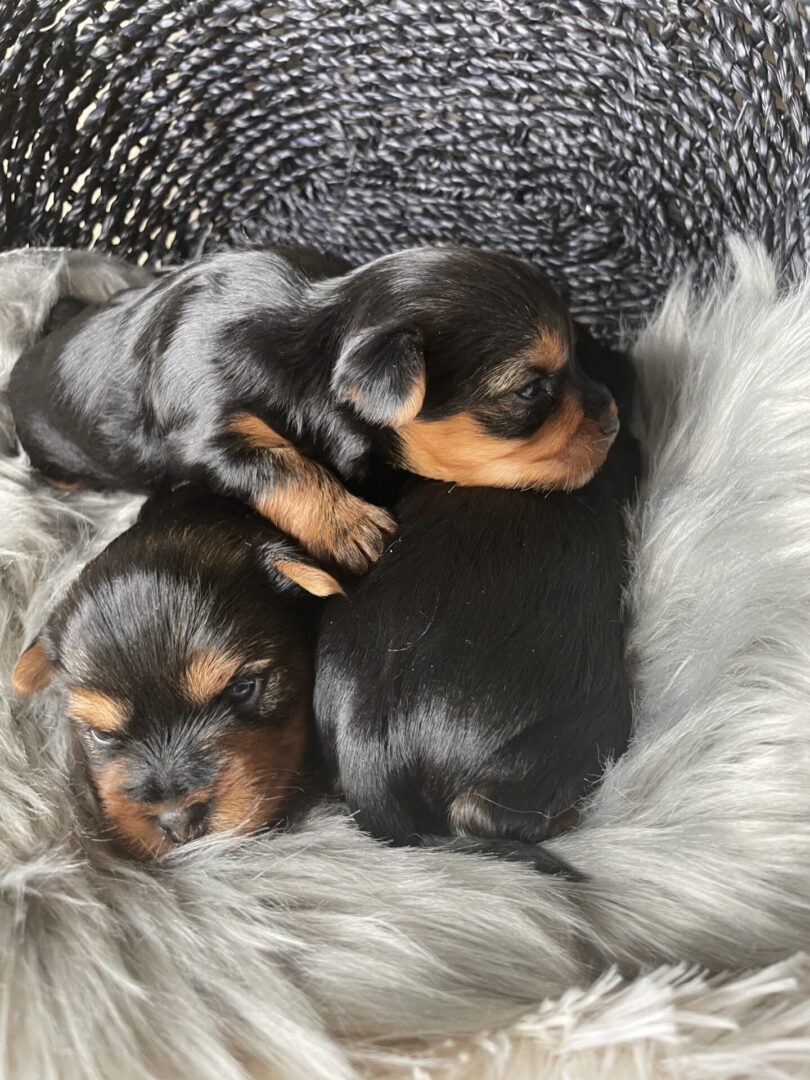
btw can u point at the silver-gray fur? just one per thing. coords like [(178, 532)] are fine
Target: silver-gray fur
[(292, 952)]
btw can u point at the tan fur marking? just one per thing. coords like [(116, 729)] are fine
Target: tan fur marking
[(32, 672), (134, 823), (260, 772), (564, 453), (97, 709), (312, 506), (549, 351), (129, 821), (207, 674), (315, 509), (568, 819), (311, 578), (545, 356), (65, 485), (470, 815), (257, 434), (511, 375), (411, 407)]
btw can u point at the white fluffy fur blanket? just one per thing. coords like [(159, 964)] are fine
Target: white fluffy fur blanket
[(304, 955)]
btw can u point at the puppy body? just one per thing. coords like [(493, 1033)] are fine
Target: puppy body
[(261, 376), (144, 385), (473, 685), (185, 653)]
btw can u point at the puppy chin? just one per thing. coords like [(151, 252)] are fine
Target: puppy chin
[(133, 830), (584, 458), (143, 842)]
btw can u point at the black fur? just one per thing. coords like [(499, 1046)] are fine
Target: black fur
[(196, 576), (483, 653), (141, 392)]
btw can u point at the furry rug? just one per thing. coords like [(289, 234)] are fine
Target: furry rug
[(321, 954)]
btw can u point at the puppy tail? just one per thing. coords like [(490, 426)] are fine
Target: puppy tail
[(538, 857)]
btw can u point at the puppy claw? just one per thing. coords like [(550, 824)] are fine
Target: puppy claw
[(361, 534)]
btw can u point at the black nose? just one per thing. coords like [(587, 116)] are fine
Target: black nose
[(609, 420), (183, 823), (597, 400)]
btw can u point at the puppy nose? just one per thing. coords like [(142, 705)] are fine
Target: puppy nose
[(183, 823), (609, 420)]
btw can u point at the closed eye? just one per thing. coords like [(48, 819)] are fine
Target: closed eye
[(103, 738), (243, 689), (535, 388)]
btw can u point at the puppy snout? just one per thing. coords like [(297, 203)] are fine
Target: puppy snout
[(609, 419), (597, 400), (183, 823)]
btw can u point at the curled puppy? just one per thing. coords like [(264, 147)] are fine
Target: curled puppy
[(266, 377), (472, 686), (185, 652)]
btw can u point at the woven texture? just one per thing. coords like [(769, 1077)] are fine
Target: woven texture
[(607, 141)]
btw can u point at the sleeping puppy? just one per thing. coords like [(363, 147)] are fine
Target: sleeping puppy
[(471, 689), (264, 376), (185, 652)]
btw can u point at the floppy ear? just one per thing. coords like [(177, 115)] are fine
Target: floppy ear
[(288, 569), (32, 672), (380, 373)]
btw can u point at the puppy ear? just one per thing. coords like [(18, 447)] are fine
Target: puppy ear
[(380, 373), (288, 569), (32, 672)]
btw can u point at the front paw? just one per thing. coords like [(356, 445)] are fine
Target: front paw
[(357, 535)]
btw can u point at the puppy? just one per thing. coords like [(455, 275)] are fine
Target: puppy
[(185, 651), (473, 685), (261, 376)]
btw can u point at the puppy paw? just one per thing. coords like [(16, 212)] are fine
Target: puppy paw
[(358, 535), (330, 523)]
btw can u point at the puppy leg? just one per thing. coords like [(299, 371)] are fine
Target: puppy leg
[(502, 811), (303, 498), (64, 485), (544, 862)]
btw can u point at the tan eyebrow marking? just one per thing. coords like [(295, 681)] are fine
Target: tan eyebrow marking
[(206, 674), (546, 355), (97, 709), (549, 350)]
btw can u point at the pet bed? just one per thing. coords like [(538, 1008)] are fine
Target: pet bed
[(304, 954), (612, 143)]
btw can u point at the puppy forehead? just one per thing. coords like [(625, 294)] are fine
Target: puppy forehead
[(138, 626), (125, 610)]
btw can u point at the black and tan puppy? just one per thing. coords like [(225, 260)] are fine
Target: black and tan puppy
[(472, 685), (262, 377), (185, 651)]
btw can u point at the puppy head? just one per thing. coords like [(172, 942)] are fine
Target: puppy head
[(185, 655), (468, 357)]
